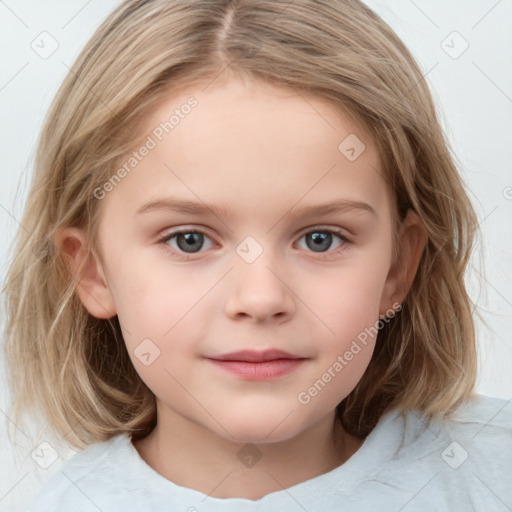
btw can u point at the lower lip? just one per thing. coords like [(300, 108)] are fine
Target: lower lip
[(260, 371)]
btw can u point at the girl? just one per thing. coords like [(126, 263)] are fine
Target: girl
[(240, 285)]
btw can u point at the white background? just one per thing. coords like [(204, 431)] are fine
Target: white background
[(473, 93)]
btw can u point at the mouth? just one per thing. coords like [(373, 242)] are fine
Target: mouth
[(258, 365), (255, 356)]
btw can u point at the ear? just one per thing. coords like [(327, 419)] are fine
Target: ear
[(412, 238), (86, 268)]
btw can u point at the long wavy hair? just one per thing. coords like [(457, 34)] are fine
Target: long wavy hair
[(74, 368)]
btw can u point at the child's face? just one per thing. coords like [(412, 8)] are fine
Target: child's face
[(260, 154)]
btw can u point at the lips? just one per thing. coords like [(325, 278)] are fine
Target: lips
[(258, 365), (255, 356)]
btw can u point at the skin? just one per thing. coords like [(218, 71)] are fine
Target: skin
[(260, 152)]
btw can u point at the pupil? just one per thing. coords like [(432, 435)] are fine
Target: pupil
[(320, 240), (191, 241)]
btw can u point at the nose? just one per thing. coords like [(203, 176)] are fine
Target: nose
[(260, 292)]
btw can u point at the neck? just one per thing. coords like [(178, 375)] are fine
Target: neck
[(197, 458)]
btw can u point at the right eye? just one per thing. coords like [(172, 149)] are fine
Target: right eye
[(185, 241)]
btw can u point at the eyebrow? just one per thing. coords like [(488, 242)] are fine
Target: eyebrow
[(194, 208)]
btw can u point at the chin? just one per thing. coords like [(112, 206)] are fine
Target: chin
[(260, 429)]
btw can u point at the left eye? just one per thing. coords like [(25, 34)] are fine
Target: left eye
[(187, 241), (320, 240)]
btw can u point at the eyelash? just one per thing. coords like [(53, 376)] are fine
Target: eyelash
[(315, 229)]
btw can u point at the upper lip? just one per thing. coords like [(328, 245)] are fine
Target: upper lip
[(255, 356)]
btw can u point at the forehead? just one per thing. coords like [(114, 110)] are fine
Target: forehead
[(249, 144)]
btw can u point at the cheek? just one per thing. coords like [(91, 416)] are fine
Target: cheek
[(344, 349), (153, 314), (152, 301), (348, 299), (349, 310)]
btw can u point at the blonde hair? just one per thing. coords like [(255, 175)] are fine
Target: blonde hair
[(74, 368)]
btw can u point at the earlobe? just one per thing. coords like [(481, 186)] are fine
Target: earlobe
[(87, 270), (411, 243)]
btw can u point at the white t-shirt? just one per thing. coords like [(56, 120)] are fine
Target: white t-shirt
[(405, 464)]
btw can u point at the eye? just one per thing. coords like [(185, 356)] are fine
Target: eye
[(319, 240), (188, 241)]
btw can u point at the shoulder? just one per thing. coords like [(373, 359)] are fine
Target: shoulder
[(87, 481), (478, 422), (479, 428), (460, 463)]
